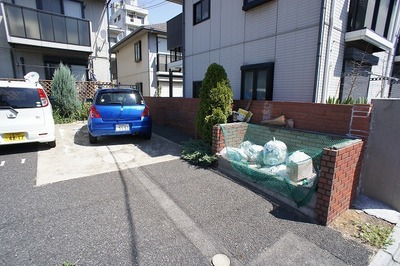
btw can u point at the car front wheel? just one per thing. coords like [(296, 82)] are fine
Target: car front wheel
[(92, 139)]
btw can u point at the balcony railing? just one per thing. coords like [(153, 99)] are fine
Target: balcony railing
[(164, 59), (23, 22)]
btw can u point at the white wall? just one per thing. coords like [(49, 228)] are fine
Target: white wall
[(6, 70), (96, 12), (284, 32)]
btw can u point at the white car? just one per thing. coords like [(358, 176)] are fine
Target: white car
[(26, 113)]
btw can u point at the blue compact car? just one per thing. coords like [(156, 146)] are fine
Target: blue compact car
[(118, 111)]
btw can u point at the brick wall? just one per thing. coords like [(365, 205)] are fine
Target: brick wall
[(337, 187), (336, 119), (327, 118), (177, 112), (360, 120)]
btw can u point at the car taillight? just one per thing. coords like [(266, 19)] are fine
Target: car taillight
[(43, 97), (146, 112), (93, 113)]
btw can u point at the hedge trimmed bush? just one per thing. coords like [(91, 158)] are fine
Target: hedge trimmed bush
[(216, 100)]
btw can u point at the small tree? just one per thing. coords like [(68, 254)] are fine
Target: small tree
[(64, 92), (216, 99)]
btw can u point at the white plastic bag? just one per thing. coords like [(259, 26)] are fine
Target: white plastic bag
[(275, 152)]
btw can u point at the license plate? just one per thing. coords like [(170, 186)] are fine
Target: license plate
[(14, 136), (122, 127)]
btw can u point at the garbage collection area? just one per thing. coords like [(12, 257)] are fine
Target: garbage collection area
[(287, 164)]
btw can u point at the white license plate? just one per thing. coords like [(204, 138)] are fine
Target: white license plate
[(122, 127)]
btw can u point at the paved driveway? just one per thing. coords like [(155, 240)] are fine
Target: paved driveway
[(75, 157)]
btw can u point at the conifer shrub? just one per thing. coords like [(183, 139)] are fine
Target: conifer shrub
[(64, 93), (216, 100)]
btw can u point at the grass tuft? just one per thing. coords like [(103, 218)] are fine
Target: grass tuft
[(374, 235)]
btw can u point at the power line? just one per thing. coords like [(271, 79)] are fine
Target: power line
[(164, 2)]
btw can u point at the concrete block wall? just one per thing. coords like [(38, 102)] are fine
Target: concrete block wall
[(340, 167)]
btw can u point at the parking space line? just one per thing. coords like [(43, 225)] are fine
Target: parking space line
[(2, 163), (22, 161)]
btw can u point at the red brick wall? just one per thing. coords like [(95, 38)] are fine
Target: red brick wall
[(327, 118), (360, 120), (177, 112), (337, 119), (338, 182)]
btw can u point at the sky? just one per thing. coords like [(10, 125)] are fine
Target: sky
[(160, 10)]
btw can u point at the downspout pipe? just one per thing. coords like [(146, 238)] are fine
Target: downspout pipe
[(392, 52), (327, 66), (319, 50), (108, 38)]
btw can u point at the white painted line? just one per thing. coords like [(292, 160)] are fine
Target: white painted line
[(2, 163), (204, 242), (23, 161)]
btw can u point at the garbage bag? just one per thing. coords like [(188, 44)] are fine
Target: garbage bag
[(236, 154), (275, 152)]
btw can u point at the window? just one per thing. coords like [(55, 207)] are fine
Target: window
[(196, 89), (139, 87), (138, 51), (73, 8), (201, 11), (249, 4), (257, 81), (78, 67), (176, 54)]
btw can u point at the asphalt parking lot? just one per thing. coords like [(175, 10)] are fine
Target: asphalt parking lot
[(127, 201)]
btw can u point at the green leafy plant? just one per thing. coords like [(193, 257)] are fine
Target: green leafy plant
[(374, 235), (362, 100), (80, 114), (333, 100), (198, 152), (64, 92), (348, 100), (216, 100)]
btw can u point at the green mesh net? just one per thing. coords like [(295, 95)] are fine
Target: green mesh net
[(247, 147)]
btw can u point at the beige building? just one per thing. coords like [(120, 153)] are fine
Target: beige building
[(142, 61)]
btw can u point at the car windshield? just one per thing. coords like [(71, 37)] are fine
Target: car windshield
[(125, 97), (19, 98)]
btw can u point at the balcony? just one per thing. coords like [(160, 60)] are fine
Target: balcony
[(164, 61), (369, 25), (39, 28)]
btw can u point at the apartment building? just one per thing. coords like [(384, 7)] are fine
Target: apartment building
[(38, 35), (142, 60), (125, 17), (284, 50)]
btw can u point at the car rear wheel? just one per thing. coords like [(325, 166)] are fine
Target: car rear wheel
[(147, 135), (92, 139)]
